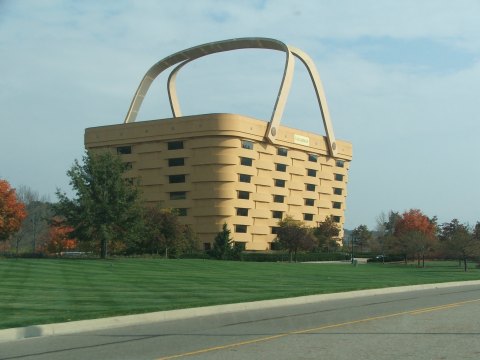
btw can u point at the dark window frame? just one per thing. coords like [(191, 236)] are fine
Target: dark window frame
[(277, 197), (281, 167), (176, 162), (247, 144), (175, 145), (240, 228), (310, 187), (277, 214), (242, 211), (245, 178), (177, 179), (244, 195), (245, 161), (309, 202), (308, 217), (124, 150), (178, 195), (279, 183)]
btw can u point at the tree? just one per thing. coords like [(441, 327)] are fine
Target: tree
[(326, 234), (457, 240), (223, 245), (415, 234), (362, 236), (12, 211), (37, 223), (163, 232), (58, 239), (293, 236), (105, 208)]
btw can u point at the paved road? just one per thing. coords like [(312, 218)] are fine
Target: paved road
[(428, 324)]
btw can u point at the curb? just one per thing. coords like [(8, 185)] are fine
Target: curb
[(14, 334)]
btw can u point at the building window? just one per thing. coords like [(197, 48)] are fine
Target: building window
[(246, 144), (281, 167), (176, 162), (274, 230), (175, 145), (176, 179), (310, 187), (308, 217), (336, 219), (311, 172), (340, 163), (338, 177), (246, 161), (123, 150), (336, 205), (240, 245), (178, 195), (180, 211), (277, 214), (282, 151), (245, 195), (312, 157), (128, 166), (207, 246), (242, 212), (278, 198), (337, 191), (279, 182), (240, 229), (244, 178), (309, 202)]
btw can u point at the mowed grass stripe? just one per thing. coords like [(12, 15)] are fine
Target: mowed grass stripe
[(43, 291)]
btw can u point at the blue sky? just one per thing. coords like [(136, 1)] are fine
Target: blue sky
[(401, 79)]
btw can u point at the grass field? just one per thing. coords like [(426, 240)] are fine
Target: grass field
[(39, 291)]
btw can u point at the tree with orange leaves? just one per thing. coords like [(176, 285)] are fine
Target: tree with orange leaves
[(415, 233), (12, 211), (59, 237)]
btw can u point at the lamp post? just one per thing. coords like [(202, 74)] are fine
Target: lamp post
[(352, 240)]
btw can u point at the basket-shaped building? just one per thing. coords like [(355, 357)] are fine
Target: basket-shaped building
[(229, 168)]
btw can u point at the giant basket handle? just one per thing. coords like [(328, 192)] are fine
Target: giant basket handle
[(185, 56)]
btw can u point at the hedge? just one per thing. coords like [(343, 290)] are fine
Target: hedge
[(284, 256)]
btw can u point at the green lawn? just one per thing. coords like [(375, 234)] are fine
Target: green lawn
[(39, 291)]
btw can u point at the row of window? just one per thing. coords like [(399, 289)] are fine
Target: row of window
[(243, 229), (247, 144), (282, 183), (276, 214), (245, 195), (171, 145), (177, 145), (245, 178)]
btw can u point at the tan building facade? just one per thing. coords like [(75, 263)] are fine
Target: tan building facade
[(227, 168)]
